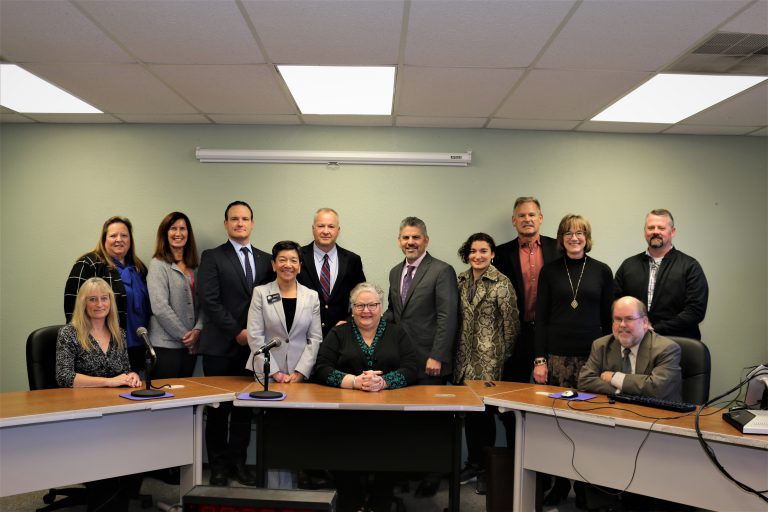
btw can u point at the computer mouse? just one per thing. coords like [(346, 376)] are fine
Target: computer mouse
[(569, 393)]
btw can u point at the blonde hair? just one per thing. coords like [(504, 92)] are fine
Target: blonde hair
[(82, 322)]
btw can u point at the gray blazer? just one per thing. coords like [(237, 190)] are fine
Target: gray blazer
[(430, 313), (657, 368), (174, 310), (267, 320)]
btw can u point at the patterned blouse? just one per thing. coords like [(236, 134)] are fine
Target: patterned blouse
[(71, 358)]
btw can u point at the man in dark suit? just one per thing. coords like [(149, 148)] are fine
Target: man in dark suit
[(521, 260), (670, 283), (329, 269), (225, 282), (423, 300)]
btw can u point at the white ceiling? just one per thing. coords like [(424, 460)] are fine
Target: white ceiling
[(507, 64)]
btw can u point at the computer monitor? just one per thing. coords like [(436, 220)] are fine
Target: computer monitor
[(757, 388)]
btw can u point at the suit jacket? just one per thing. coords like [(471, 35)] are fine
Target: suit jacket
[(657, 368), (507, 261), (679, 296), (174, 309), (350, 275), (224, 296), (430, 313), (266, 320)]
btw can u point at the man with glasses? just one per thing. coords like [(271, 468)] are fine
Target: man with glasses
[(634, 359), (671, 284)]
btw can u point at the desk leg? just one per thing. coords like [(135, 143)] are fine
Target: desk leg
[(261, 470), (192, 474), (453, 477), (524, 480)]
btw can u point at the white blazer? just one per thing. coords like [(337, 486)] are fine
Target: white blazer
[(266, 320)]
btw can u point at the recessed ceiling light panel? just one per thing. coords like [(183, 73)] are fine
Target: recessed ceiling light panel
[(24, 92), (670, 98), (341, 90)]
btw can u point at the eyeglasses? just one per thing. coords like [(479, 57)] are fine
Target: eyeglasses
[(577, 234), (626, 319), (373, 306)]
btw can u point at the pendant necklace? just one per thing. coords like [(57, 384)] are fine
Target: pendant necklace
[(574, 302)]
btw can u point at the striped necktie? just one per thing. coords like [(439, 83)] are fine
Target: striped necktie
[(325, 278)]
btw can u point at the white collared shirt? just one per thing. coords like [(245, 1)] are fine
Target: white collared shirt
[(333, 262), (240, 255)]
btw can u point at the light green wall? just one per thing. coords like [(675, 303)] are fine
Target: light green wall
[(59, 183)]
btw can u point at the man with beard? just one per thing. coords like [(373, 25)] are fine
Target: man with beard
[(671, 284)]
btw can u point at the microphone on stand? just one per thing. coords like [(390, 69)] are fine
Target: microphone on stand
[(266, 393), (151, 357)]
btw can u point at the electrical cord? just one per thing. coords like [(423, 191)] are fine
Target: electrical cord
[(709, 451)]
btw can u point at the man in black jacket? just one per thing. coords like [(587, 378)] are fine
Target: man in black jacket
[(671, 284)]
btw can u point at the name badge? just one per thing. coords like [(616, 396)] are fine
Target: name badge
[(271, 299)]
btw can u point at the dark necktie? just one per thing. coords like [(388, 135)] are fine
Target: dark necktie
[(248, 270), (626, 364), (325, 278), (406, 283)]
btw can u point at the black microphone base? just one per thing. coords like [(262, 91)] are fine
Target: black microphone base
[(265, 395), (147, 393)]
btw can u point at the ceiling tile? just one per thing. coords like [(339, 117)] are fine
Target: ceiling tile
[(749, 108), (568, 95), (440, 122), (348, 120), (452, 92), (703, 129), (640, 35), (608, 127), (6, 117), (161, 32), (532, 124), (754, 20), (480, 33), (228, 89), (75, 118), (118, 88), (763, 132), (52, 31), (254, 119), (164, 118), (329, 32)]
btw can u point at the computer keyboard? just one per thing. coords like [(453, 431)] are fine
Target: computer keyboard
[(651, 401)]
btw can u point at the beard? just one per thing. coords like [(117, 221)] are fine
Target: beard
[(656, 242)]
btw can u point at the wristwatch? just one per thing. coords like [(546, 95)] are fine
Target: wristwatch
[(539, 361)]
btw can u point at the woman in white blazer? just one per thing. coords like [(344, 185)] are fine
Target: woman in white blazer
[(288, 311), (175, 325)]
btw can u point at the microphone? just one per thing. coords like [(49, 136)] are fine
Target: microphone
[(274, 342), (151, 357), (266, 394), (142, 333)]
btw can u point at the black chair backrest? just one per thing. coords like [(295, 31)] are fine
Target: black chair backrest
[(41, 357), (696, 369)]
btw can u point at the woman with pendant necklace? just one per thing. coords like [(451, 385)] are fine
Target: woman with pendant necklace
[(573, 308)]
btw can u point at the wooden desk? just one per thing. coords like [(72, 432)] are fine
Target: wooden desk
[(417, 428), (57, 437), (671, 465)]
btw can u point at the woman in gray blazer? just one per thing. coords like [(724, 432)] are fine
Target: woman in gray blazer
[(175, 325), (288, 311)]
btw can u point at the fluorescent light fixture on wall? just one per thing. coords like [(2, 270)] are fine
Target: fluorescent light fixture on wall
[(341, 90), (270, 156), (670, 98), (24, 92)]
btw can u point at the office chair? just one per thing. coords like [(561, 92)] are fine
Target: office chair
[(696, 368), (41, 374)]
